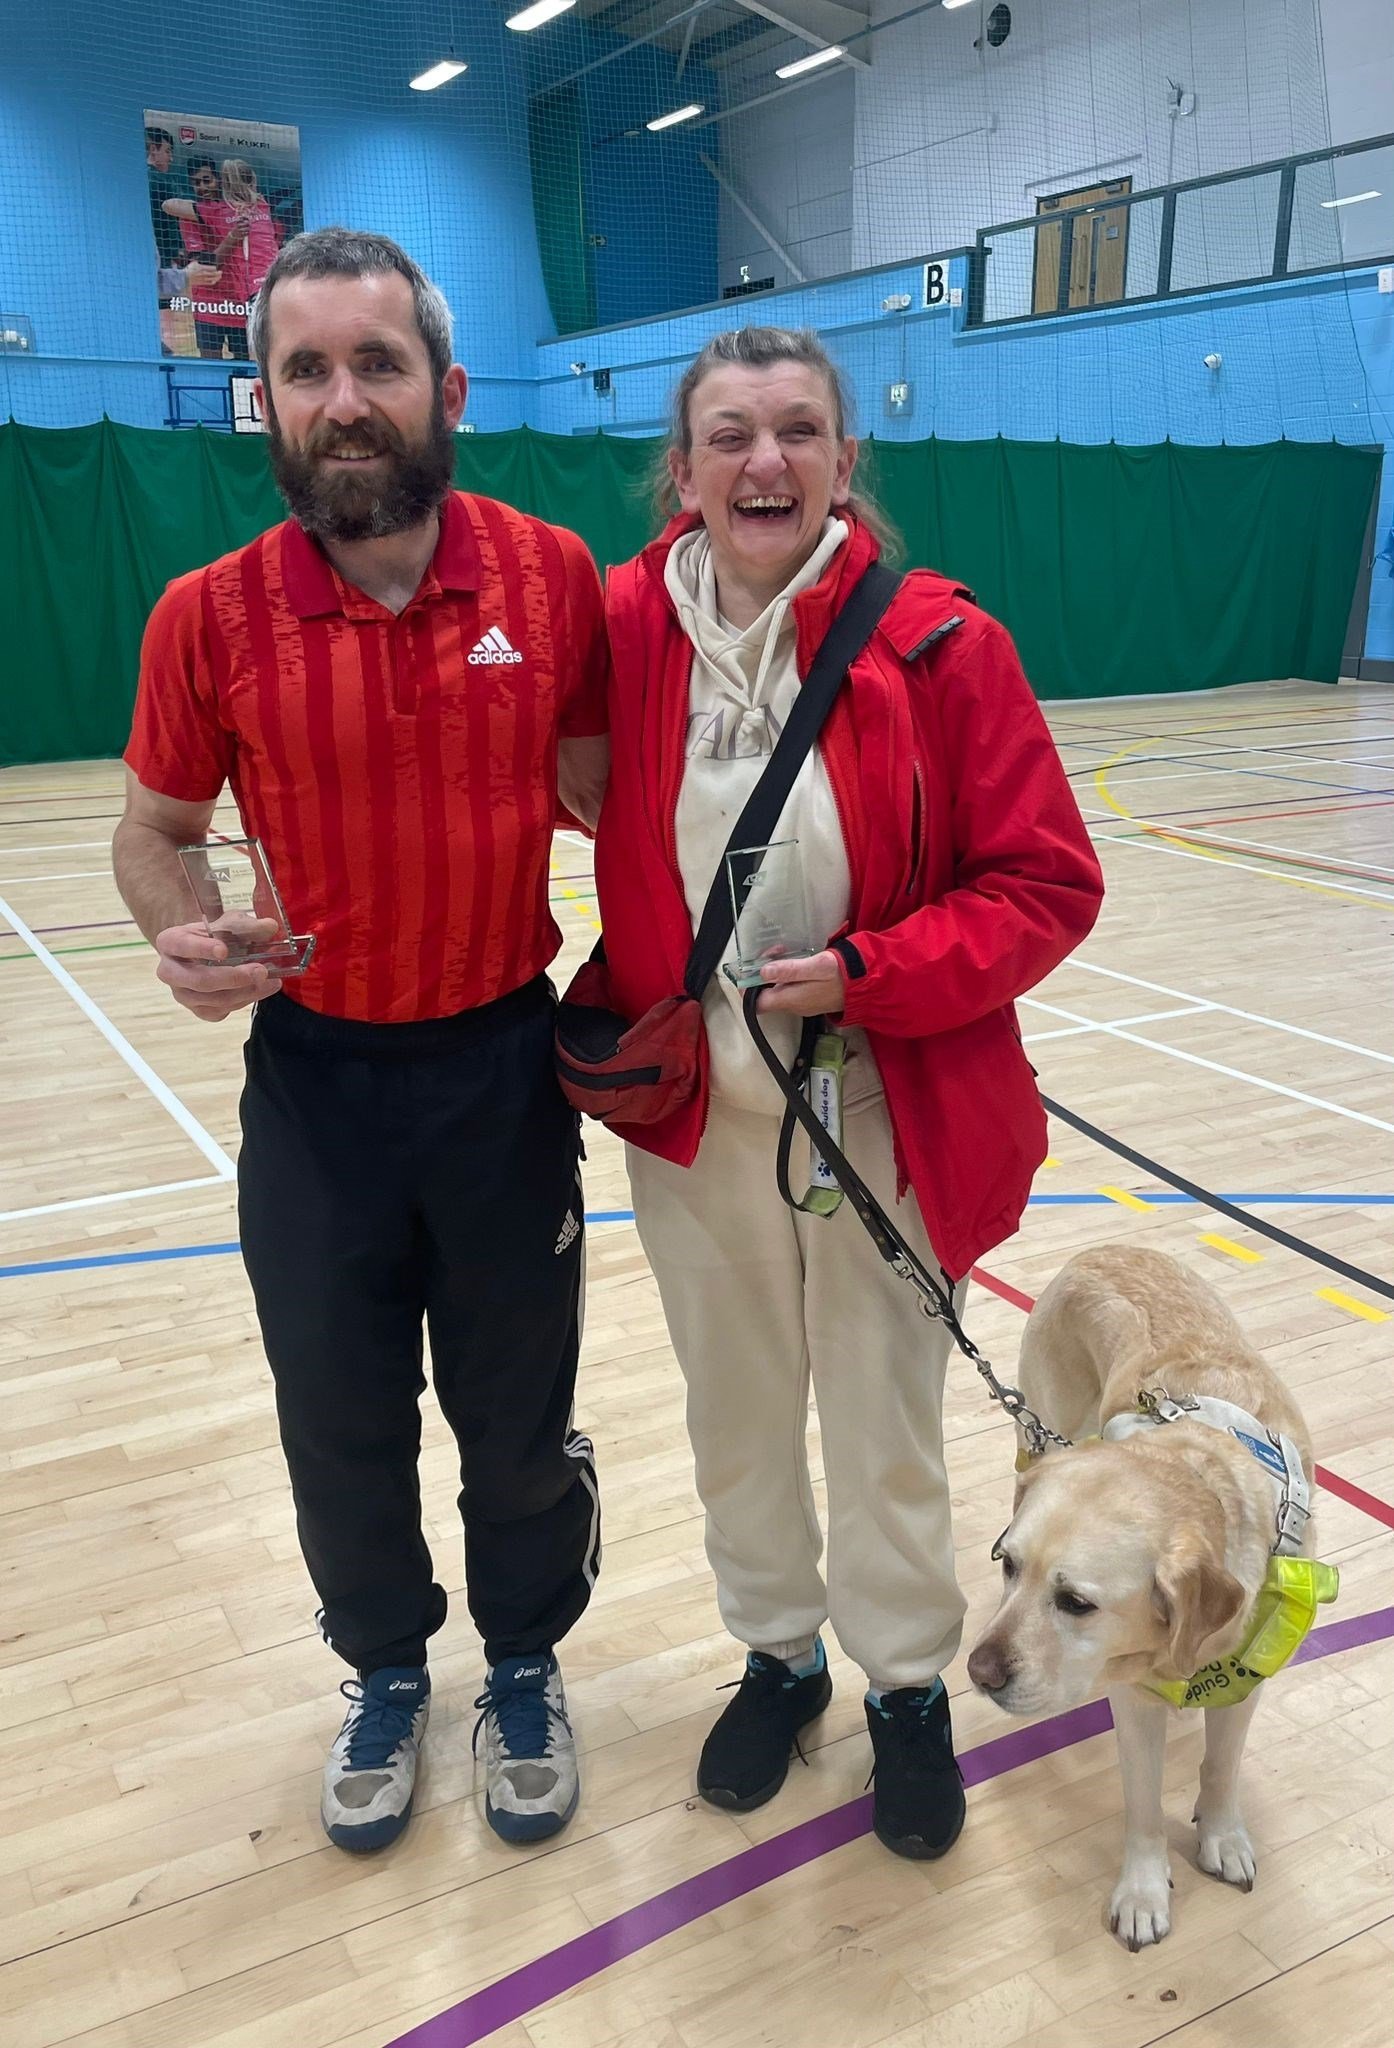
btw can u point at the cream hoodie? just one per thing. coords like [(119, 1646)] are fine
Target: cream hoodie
[(743, 687)]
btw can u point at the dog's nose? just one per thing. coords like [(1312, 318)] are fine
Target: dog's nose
[(987, 1667)]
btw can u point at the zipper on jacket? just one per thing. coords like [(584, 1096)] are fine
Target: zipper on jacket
[(918, 835)]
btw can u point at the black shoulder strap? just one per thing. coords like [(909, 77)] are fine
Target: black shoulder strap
[(854, 625)]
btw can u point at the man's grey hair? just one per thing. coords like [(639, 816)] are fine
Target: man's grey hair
[(345, 252)]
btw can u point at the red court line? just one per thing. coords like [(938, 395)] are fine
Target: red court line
[(1315, 811), (1001, 1288), (1210, 841), (1354, 1496)]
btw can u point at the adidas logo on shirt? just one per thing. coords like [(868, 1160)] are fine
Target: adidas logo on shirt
[(492, 649)]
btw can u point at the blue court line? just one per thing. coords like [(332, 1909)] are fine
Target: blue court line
[(209, 1251)]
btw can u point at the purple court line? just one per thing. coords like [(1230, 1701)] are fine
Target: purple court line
[(47, 931), (538, 1982)]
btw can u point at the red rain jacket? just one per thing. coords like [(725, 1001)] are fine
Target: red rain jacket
[(972, 873)]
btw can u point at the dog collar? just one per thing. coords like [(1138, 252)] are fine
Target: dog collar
[(1283, 1614), (1293, 1587)]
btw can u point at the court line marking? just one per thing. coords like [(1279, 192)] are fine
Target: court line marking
[(1378, 739), (1248, 718), (1249, 1016), (1231, 1249), (168, 1187), (162, 1092), (587, 1955), (1201, 837), (1218, 756), (1364, 1309), (84, 875), (1349, 892), (1149, 1017), (1123, 1198), (68, 846), (89, 924), (1321, 810), (1116, 805), (1194, 1059), (1216, 768), (1344, 1489), (1292, 856), (1162, 1198), (67, 952), (195, 1251)]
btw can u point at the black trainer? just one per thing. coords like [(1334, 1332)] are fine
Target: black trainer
[(918, 1806), (745, 1759)]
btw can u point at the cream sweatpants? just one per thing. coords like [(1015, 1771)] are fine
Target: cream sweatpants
[(758, 1300)]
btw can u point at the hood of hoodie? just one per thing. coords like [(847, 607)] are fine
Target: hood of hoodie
[(738, 661)]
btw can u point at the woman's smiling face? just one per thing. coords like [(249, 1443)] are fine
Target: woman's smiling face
[(765, 467)]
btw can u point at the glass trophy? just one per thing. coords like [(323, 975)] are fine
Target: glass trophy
[(769, 903), (241, 905)]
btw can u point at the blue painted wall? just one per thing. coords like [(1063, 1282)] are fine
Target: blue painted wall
[(446, 173), (1310, 361)]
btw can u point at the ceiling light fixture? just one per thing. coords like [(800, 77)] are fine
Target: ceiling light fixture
[(671, 120), (540, 12), (1354, 199), (437, 74), (810, 62)]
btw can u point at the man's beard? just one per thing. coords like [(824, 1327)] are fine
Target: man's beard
[(338, 503)]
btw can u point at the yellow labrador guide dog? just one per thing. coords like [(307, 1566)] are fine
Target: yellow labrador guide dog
[(1168, 1559)]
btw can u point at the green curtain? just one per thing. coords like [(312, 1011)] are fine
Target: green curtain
[(1120, 571), (1129, 571), (559, 206)]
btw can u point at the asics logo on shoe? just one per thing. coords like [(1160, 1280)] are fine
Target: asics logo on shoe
[(492, 650), (528, 1671), (404, 1685), (569, 1233)]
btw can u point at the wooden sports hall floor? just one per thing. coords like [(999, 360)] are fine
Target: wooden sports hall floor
[(165, 1703)]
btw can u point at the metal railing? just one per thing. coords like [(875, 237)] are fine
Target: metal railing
[(1284, 219)]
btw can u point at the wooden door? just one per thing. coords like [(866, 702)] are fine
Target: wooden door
[(1098, 248)]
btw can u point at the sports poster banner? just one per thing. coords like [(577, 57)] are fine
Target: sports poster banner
[(224, 195)]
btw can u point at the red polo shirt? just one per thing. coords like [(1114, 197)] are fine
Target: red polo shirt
[(400, 771)]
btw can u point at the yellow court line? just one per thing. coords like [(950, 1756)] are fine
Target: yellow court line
[(1201, 851), (572, 897), (1128, 1201), (1235, 1251), (1348, 1302), (1048, 1161)]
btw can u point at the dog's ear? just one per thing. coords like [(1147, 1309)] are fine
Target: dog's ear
[(1195, 1596)]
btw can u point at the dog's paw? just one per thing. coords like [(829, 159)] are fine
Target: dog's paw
[(1140, 1910), (1225, 1850)]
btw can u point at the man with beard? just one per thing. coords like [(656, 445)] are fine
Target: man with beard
[(395, 681)]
